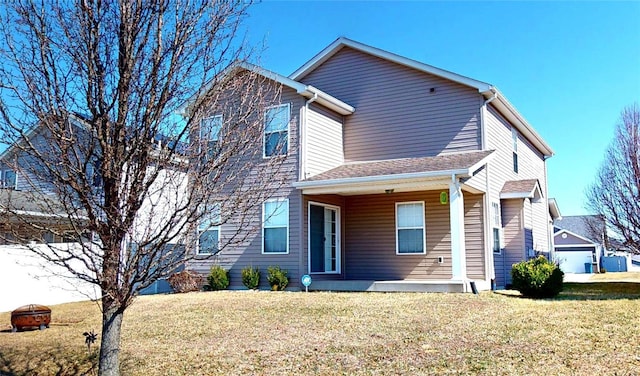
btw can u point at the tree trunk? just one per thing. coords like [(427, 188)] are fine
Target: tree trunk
[(109, 364)]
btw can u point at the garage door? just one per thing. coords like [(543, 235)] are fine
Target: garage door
[(572, 259)]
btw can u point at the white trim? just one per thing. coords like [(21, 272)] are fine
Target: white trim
[(463, 172), (199, 230), (338, 237), (456, 221), (423, 227), (281, 200), (535, 192), (211, 117), (264, 131), (515, 118), (3, 174), (498, 226), (306, 91), (341, 42)]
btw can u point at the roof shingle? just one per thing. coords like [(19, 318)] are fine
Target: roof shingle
[(446, 162)]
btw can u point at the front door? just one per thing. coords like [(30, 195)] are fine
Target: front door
[(324, 244)]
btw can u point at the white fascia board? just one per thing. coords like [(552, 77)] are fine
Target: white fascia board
[(523, 195), (330, 101), (307, 91), (511, 113), (341, 42), (554, 210), (475, 167), (380, 178)]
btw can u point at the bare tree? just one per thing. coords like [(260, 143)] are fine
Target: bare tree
[(88, 97), (615, 194)]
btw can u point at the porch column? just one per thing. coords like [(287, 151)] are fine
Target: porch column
[(456, 218)]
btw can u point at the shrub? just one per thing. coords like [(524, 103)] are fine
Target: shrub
[(185, 281), (218, 278), (537, 278), (251, 277), (277, 278)]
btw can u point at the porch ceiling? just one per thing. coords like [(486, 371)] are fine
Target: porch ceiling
[(398, 175)]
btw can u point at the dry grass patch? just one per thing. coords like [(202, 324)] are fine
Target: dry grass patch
[(263, 333), (620, 277)]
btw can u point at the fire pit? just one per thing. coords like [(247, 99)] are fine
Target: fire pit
[(30, 316)]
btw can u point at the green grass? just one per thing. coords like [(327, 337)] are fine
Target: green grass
[(589, 329)]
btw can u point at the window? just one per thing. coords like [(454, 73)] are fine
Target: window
[(209, 231), (210, 134), (276, 130), (497, 227), (9, 179), (410, 231), (275, 231), (514, 136)]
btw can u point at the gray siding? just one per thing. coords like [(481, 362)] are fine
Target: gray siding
[(514, 240), (396, 114), (531, 165), (248, 252), (570, 240), (323, 141), (369, 239)]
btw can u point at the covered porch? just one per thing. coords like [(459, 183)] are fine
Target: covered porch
[(417, 230)]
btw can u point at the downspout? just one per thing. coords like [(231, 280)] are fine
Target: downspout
[(303, 175), (303, 152), (490, 269)]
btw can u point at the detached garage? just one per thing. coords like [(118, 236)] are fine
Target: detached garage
[(572, 252)]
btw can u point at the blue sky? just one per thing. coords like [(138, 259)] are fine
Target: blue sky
[(569, 67)]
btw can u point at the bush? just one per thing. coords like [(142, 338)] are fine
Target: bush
[(251, 277), (185, 281), (277, 278), (218, 278), (537, 278)]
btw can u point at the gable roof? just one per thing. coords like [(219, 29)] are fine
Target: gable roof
[(559, 233), (529, 188), (306, 91), (398, 170), (487, 90), (579, 225)]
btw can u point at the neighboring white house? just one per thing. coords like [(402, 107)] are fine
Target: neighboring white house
[(27, 279)]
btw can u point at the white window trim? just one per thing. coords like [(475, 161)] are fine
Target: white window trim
[(424, 229), (515, 159), (338, 238), (286, 202), (498, 226), (204, 142), (2, 176), (198, 233), (264, 131)]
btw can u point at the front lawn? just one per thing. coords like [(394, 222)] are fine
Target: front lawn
[(588, 330)]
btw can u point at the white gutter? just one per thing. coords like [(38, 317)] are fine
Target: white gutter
[(382, 178), (490, 274), (303, 137)]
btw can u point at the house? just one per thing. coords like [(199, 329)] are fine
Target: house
[(34, 212), (579, 243), (405, 177)]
